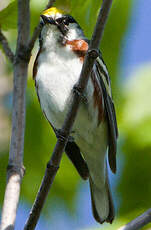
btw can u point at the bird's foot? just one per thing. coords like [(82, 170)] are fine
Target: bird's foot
[(77, 90), (71, 139), (61, 136)]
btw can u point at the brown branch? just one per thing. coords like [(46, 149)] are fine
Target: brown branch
[(7, 50), (37, 30), (50, 3), (139, 222), (34, 38), (15, 168), (54, 162)]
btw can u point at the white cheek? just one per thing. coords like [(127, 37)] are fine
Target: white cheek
[(72, 34)]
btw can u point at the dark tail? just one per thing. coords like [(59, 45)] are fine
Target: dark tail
[(102, 205)]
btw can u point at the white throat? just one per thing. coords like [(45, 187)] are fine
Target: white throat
[(52, 36)]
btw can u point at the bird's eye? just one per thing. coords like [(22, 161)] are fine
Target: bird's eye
[(59, 20), (63, 20), (66, 21)]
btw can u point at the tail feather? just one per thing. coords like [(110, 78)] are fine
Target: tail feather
[(102, 205), (111, 206)]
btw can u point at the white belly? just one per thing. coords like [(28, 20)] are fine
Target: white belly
[(55, 80)]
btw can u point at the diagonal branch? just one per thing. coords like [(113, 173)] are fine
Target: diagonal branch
[(50, 3), (34, 38), (6, 48), (54, 162), (139, 222)]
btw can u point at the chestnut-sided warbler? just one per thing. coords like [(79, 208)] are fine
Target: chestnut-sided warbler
[(94, 135)]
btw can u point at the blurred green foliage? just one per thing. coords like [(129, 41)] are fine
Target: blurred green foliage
[(134, 116), (135, 184), (8, 16)]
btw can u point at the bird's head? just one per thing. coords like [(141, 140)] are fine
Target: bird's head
[(57, 24)]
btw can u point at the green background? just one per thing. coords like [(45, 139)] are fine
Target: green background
[(133, 184)]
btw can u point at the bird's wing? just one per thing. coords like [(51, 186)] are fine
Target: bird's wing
[(104, 81)]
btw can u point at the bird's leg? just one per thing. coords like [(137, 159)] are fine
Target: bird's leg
[(77, 90)]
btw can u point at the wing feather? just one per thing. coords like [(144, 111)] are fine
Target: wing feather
[(110, 111), (73, 152)]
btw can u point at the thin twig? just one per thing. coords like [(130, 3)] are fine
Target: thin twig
[(139, 222), (15, 169), (54, 162), (6, 48), (34, 37), (50, 3), (37, 30)]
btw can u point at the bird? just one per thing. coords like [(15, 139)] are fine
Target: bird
[(92, 144)]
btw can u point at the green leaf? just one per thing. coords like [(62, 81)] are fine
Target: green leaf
[(136, 113), (8, 17)]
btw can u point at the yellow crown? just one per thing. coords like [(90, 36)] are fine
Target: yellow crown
[(52, 11)]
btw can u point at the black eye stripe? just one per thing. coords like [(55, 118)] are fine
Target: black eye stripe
[(66, 20), (70, 19), (59, 20)]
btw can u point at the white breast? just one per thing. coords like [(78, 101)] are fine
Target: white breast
[(58, 71)]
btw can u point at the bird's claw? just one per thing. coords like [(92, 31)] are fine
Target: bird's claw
[(61, 136), (77, 90)]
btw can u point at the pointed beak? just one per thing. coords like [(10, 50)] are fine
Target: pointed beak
[(46, 20)]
